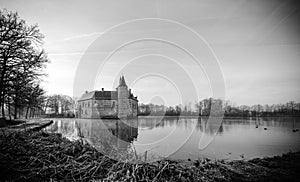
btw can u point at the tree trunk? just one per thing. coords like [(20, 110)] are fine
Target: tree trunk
[(1, 101), (9, 112), (2, 89), (30, 112), (3, 112), (27, 109), (33, 112), (19, 112), (15, 111), (46, 105)]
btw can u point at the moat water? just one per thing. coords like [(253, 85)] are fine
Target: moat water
[(186, 138)]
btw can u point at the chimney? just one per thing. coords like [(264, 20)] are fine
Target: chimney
[(102, 89), (86, 91), (130, 90)]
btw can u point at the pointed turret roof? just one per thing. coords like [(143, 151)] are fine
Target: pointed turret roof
[(122, 82)]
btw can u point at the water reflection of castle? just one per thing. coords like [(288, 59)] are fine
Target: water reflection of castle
[(102, 134)]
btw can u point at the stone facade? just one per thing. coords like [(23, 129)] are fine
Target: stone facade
[(108, 104)]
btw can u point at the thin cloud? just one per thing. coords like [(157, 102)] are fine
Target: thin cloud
[(66, 54), (82, 36)]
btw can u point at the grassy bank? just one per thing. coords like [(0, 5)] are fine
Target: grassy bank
[(40, 156)]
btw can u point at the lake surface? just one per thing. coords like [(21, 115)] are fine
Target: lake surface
[(179, 138)]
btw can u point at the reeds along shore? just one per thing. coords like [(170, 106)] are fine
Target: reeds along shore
[(41, 156)]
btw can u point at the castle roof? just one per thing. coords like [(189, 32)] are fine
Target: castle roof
[(106, 95), (87, 95), (122, 81), (100, 95)]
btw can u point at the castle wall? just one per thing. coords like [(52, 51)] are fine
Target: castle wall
[(104, 108), (123, 108), (97, 108), (133, 107), (123, 103), (92, 108), (85, 108)]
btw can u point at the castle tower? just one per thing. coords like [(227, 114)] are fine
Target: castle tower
[(123, 102)]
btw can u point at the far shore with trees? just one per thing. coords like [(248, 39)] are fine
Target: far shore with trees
[(204, 108)]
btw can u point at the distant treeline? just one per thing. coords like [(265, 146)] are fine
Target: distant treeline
[(212, 106)]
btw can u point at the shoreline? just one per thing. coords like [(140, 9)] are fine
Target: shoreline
[(40, 156), (229, 117)]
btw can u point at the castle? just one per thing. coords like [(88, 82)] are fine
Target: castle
[(108, 104)]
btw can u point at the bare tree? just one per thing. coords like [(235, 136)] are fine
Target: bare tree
[(21, 58)]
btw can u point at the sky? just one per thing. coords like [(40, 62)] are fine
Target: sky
[(251, 46)]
